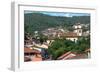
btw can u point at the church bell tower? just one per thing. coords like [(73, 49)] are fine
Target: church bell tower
[(78, 29)]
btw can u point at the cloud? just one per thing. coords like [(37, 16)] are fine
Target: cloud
[(67, 14)]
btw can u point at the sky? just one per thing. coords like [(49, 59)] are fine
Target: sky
[(67, 14), (64, 14)]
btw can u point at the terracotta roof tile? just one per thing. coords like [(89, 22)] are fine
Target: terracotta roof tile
[(62, 56), (28, 50), (69, 34)]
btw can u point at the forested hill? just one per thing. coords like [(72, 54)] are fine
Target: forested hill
[(38, 21)]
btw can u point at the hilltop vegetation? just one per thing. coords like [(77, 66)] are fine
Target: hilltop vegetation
[(38, 21)]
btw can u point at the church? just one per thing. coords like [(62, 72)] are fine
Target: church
[(75, 34)]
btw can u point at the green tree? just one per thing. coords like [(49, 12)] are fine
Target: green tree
[(59, 47)]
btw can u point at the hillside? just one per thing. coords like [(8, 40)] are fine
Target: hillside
[(38, 21)]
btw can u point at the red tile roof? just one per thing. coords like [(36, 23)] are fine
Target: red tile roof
[(28, 50), (79, 56), (70, 55), (65, 55), (26, 59), (37, 58), (69, 34)]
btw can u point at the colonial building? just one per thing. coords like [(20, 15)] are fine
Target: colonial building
[(70, 36), (78, 29)]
